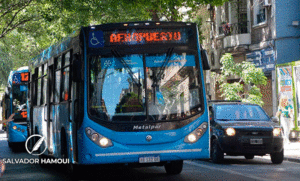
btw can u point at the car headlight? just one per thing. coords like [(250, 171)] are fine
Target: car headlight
[(14, 127), (98, 138), (230, 131), (276, 132), (196, 134)]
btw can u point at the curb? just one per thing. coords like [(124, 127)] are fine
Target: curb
[(291, 159)]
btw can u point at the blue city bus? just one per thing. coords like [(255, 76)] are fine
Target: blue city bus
[(122, 93), (15, 101)]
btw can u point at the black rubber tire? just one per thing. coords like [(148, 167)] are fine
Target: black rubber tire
[(217, 155), (277, 157), (174, 167), (249, 157), (71, 169)]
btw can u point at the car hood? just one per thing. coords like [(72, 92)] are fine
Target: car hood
[(248, 124)]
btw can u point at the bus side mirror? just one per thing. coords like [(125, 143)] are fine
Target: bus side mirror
[(77, 69), (204, 59)]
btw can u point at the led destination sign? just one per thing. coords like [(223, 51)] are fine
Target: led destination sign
[(145, 37), (20, 77), (100, 39)]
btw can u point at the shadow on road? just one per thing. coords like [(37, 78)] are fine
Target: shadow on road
[(257, 160)]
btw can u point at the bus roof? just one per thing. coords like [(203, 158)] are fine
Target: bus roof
[(54, 49), (65, 43)]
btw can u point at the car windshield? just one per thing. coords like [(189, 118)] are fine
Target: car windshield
[(141, 87), (240, 113)]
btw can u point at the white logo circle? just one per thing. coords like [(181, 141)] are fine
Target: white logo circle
[(37, 144)]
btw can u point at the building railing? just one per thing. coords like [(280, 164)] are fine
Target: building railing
[(234, 28)]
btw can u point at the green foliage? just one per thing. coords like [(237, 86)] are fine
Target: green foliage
[(247, 75), (29, 26)]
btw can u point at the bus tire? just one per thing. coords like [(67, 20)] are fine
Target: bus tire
[(174, 167), (71, 169), (249, 157), (217, 155)]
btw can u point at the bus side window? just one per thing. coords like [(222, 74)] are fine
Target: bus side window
[(45, 79), (39, 86), (57, 79), (65, 93), (33, 94), (66, 77)]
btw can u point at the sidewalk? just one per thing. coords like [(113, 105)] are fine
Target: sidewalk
[(292, 151)]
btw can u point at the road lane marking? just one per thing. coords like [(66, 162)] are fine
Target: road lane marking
[(226, 170)]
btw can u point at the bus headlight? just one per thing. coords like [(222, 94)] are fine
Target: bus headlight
[(104, 142), (95, 137), (192, 138), (98, 138), (276, 132), (14, 127), (195, 135), (230, 131)]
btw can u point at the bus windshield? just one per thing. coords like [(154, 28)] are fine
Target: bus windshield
[(19, 94), (19, 97), (144, 87)]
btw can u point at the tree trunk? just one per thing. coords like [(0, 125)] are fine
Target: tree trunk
[(155, 15)]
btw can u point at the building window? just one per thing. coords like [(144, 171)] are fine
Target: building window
[(260, 14)]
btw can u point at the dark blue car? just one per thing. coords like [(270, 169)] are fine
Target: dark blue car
[(243, 129)]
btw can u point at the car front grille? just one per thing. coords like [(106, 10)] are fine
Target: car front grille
[(247, 146), (255, 133)]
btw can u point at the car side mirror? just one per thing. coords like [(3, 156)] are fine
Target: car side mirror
[(275, 119)]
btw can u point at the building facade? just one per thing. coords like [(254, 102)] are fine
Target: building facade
[(265, 32)]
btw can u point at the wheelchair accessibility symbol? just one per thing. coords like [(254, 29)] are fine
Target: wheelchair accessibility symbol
[(96, 39)]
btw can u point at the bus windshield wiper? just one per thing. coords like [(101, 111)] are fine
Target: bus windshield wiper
[(120, 58), (163, 67)]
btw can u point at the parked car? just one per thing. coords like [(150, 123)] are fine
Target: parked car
[(243, 129)]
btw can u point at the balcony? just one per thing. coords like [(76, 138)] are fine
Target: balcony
[(236, 34)]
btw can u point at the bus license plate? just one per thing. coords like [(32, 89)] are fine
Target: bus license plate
[(149, 159), (256, 141)]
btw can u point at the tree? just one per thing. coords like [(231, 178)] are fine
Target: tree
[(247, 75), (29, 26), (165, 9)]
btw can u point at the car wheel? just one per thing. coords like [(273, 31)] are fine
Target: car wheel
[(217, 155), (249, 157), (277, 157), (174, 167)]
